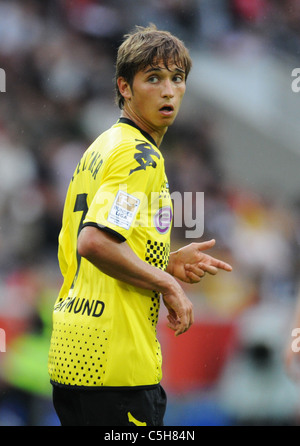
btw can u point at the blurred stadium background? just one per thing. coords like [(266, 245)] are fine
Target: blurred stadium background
[(236, 139)]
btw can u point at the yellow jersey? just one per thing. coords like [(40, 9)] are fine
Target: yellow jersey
[(104, 330)]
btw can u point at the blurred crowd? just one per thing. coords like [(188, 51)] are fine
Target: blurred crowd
[(58, 56)]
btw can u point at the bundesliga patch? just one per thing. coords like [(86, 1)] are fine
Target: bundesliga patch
[(123, 210)]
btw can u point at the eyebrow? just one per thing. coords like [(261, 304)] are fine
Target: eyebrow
[(177, 70)]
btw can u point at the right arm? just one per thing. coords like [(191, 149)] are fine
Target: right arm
[(118, 260)]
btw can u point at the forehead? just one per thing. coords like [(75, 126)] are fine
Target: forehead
[(161, 65)]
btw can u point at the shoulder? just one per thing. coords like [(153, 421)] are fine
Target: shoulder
[(125, 148)]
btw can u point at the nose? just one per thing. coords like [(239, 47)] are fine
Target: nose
[(167, 89)]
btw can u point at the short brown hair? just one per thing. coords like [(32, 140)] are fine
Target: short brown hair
[(146, 46)]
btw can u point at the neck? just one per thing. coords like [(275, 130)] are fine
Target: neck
[(156, 134)]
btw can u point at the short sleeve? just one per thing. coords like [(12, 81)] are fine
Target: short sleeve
[(121, 202)]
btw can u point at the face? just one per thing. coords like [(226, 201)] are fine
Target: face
[(155, 97)]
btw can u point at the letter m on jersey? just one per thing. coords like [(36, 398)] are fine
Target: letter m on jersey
[(144, 156)]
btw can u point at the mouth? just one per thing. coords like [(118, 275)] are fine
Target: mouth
[(167, 110)]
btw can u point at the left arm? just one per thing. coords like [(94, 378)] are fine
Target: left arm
[(190, 263)]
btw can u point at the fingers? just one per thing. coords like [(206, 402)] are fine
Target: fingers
[(180, 324), (174, 323), (194, 273), (182, 327), (181, 319), (185, 320), (211, 265), (212, 260), (222, 265), (210, 269)]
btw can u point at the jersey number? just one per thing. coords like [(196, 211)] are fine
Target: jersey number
[(80, 206)]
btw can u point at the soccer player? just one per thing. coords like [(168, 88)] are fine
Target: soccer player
[(114, 251)]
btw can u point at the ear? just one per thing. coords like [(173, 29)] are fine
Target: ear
[(124, 88)]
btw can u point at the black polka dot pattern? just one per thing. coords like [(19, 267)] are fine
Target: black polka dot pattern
[(154, 308), (157, 254), (79, 355)]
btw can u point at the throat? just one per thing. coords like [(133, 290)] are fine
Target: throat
[(155, 134)]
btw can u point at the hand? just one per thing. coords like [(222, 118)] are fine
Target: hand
[(189, 264), (180, 310)]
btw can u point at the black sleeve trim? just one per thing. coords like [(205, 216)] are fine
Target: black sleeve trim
[(106, 229)]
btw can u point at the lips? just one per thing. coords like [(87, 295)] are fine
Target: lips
[(167, 109)]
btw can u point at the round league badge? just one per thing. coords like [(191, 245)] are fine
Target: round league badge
[(162, 219)]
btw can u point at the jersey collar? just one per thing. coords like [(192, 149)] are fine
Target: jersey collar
[(145, 134)]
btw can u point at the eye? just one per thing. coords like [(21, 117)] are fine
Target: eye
[(178, 78), (153, 79)]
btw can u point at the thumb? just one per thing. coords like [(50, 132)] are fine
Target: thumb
[(202, 246)]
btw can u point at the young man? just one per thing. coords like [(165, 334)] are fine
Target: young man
[(114, 251)]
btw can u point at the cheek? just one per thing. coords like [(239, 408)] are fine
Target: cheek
[(143, 94), (182, 90), (146, 98), (181, 95)]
